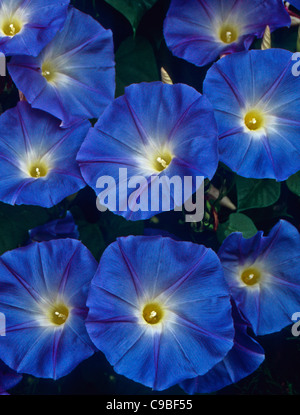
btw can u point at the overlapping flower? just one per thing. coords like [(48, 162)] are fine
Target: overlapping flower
[(256, 99), (37, 157), (243, 359), (153, 132), (200, 31), (8, 378), (159, 309), (73, 78), (263, 276), (55, 229), (43, 296), (26, 27)]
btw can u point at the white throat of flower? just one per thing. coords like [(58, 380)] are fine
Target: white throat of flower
[(36, 166), (253, 276), (228, 30), (152, 314), (156, 158), (57, 66), (12, 20), (256, 120), (54, 312)]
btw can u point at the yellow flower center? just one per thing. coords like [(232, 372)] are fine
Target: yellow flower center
[(251, 276), (254, 120), (228, 33), (58, 314), (38, 169), (162, 161), (48, 71), (11, 26), (153, 313)]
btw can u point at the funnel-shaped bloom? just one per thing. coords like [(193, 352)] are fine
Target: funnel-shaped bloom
[(38, 158), (242, 360), (263, 276), (43, 295), (144, 139), (199, 31), (26, 27), (256, 97), (8, 378), (159, 309), (74, 76)]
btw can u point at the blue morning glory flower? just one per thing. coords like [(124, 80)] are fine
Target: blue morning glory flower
[(159, 310), (37, 157), (8, 378), (263, 276), (74, 76), (200, 31), (242, 360), (153, 133), (26, 27), (256, 98), (55, 229), (43, 296)]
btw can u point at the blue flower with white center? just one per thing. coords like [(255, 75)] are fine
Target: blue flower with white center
[(153, 134), (256, 98), (160, 310), (73, 78), (43, 295), (242, 360), (263, 276), (8, 378), (200, 31), (38, 158), (26, 27)]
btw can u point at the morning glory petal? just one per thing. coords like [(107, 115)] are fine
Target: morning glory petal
[(55, 229), (201, 31), (263, 275), (74, 75), (256, 100), (43, 296), (37, 157), (155, 313), (8, 378), (26, 27), (154, 131), (242, 360)]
